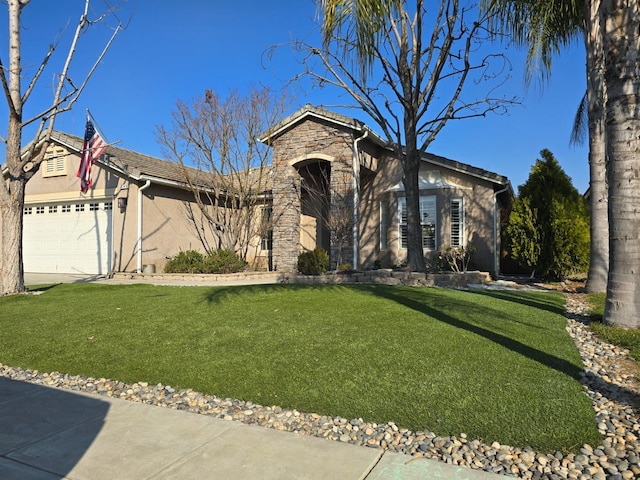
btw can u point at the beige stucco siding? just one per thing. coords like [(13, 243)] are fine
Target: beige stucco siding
[(477, 196)]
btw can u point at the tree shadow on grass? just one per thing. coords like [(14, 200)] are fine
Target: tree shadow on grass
[(414, 299), (594, 382), (220, 294), (406, 298), (523, 298)]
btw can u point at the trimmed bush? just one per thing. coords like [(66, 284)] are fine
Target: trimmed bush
[(315, 262), (189, 261), (223, 261)]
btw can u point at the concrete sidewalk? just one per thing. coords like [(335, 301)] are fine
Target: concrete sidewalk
[(48, 433)]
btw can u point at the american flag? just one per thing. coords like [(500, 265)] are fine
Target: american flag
[(93, 147)]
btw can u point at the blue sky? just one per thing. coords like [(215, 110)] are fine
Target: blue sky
[(175, 50)]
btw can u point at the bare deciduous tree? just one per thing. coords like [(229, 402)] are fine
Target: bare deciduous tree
[(23, 163), (411, 84), (215, 143)]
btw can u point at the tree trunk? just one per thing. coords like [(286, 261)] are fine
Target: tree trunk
[(12, 268), (622, 61), (599, 259), (11, 204), (12, 189), (415, 253)]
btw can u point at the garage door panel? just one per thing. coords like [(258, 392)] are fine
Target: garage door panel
[(67, 238)]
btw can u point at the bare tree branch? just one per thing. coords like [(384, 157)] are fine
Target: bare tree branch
[(214, 143)]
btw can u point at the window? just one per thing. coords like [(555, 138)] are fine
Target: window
[(55, 164), (39, 210), (53, 209), (266, 229), (79, 207), (93, 207), (457, 222), (66, 208), (108, 206), (384, 224), (28, 210), (427, 221)]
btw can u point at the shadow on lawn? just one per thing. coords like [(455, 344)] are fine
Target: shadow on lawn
[(523, 298), (407, 299), (414, 298), (219, 294)]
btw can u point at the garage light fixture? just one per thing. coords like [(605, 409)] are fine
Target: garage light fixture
[(122, 203)]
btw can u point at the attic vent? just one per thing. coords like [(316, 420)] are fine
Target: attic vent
[(55, 163)]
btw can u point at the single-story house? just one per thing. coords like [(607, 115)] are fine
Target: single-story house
[(140, 211)]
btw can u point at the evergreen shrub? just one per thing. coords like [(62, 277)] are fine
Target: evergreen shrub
[(314, 262)]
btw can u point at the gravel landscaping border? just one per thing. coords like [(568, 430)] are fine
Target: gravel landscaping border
[(614, 392)]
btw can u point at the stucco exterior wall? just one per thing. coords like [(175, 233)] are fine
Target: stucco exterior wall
[(477, 195)]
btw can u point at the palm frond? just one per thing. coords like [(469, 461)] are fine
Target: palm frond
[(580, 128), (544, 27), (361, 20)]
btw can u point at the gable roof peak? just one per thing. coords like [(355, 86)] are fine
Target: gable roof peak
[(312, 111)]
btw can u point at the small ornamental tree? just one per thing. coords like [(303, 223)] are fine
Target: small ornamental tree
[(548, 228), (523, 237)]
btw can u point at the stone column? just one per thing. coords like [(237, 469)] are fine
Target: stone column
[(286, 218)]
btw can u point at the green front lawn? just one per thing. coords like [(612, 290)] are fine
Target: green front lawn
[(498, 366)]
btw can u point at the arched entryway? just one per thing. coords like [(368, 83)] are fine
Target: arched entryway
[(315, 201)]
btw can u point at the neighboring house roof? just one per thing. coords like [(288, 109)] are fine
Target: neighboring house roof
[(139, 167), (134, 165)]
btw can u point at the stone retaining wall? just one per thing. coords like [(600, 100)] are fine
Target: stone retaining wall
[(381, 277), (391, 277)]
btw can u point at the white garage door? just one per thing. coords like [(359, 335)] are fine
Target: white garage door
[(68, 238)]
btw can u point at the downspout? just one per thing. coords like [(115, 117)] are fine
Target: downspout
[(496, 254), (140, 196), (356, 198)]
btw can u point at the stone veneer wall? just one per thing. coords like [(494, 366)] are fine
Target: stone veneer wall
[(311, 140), (381, 277)]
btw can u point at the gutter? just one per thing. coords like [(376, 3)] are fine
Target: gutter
[(496, 254), (139, 243), (356, 198)]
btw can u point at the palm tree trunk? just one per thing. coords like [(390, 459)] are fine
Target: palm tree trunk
[(599, 259), (622, 61)]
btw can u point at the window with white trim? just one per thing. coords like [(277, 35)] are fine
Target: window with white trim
[(457, 222), (427, 221)]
